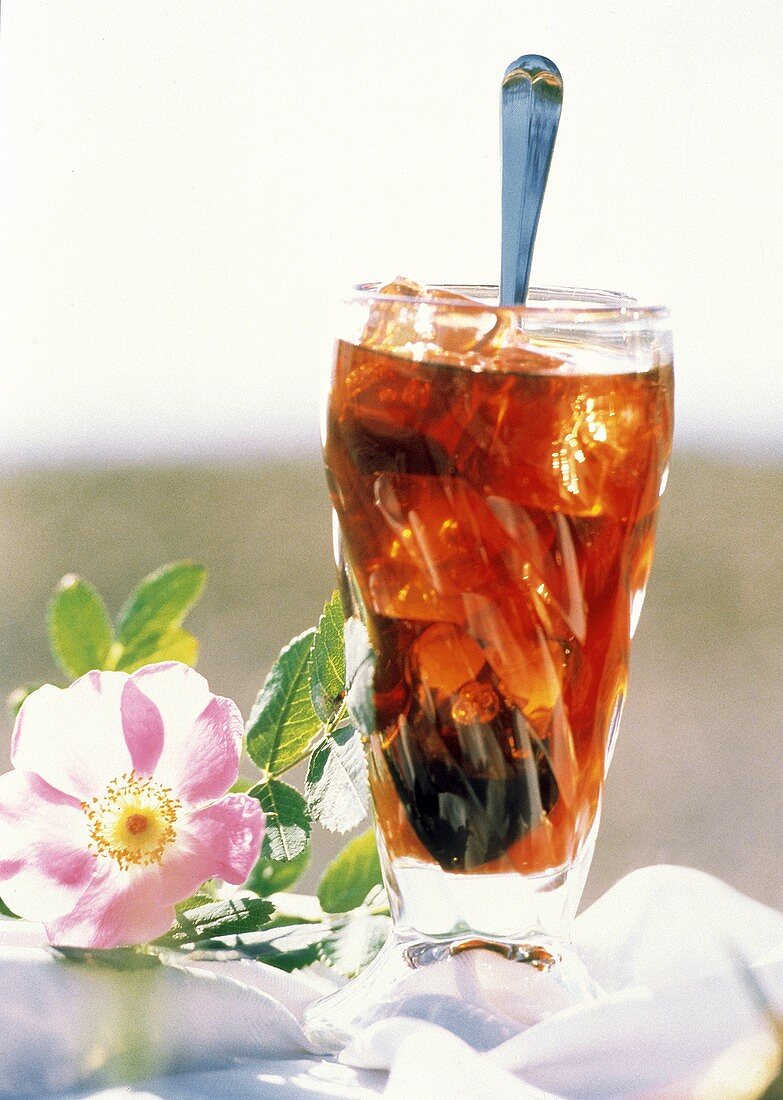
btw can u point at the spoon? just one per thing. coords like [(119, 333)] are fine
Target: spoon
[(530, 100)]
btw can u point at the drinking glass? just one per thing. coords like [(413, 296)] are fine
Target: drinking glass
[(495, 475)]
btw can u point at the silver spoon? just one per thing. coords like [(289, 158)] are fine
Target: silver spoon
[(530, 100)]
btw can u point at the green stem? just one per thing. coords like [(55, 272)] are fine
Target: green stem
[(284, 920)]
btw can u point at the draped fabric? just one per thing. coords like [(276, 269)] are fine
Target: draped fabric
[(666, 947)]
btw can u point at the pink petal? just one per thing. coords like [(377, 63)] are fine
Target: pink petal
[(143, 728), (45, 863), (201, 764), (231, 829), (203, 732), (179, 693), (73, 738), (118, 908), (136, 905), (222, 840)]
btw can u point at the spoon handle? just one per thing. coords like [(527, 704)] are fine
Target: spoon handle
[(531, 97)]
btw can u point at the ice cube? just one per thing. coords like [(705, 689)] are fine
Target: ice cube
[(399, 590), (505, 446), (460, 331), (444, 658), (379, 386), (518, 650), (475, 703), (554, 442), (393, 325), (401, 287), (606, 453), (450, 532), (446, 294), (579, 454), (542, 557), (381, 415), (432, 324), (510, 353)]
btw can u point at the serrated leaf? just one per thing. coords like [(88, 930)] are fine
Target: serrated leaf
[(287, 819), (175, 645), (18, 696), (354, 944), (348, 879), (232, 917), (79, 628), (269, 876), (327, 681), (337, 788), (359, 675), (160, 602), (195, 901), (282, 723)]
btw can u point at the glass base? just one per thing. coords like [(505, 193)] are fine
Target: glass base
[(434, 904), (430, 903), (484, 956), (482, 990)]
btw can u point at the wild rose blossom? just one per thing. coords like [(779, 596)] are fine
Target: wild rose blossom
[(116, 807)]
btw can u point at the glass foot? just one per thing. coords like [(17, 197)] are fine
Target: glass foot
[(482, 990)]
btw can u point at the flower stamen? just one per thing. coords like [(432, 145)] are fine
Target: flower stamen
[(136, 823), (133, 823)]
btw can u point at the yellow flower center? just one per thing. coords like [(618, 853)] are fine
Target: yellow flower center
[(133, 822)]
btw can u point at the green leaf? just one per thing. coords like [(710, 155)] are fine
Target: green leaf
[(337, 788), (5, 911), (159, 603), (350, 877), (175, 645), (359, 676), (79, 628), (283, 722), (288, 957), (220, 918), (18, 696), (288, 948), (269, 876), (287, 819), (327, 684), (195, 901), (774, 1091), (354, 944), (113, 958)]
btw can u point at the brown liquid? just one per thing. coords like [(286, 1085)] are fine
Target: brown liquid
[(498, 524)]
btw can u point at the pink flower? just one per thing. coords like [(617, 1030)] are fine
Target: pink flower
[(117, 805)]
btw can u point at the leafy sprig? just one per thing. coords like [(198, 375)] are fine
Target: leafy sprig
[(306, 710), (148, 628), (315, 706)]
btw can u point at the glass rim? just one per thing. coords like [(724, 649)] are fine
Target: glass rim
[(569, 304)]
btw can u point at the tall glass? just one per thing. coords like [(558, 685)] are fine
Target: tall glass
[(495, 474)]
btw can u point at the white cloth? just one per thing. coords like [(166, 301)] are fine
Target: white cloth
[(665, 946)]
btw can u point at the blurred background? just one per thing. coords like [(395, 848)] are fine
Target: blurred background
[(186, 188)]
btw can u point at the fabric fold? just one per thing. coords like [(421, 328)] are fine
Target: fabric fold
[(665, 947), (68, 1024)]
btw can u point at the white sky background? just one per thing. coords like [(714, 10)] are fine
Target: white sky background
[(187, 185)]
